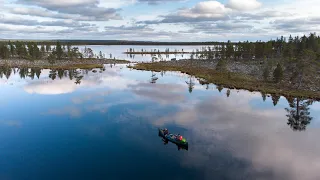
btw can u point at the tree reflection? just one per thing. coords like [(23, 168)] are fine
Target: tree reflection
[(275, 99), (78, 79), (53, 74), (219, 87), (163, 73), (153, 78), (298, 114), (32, 73), (70, 73), (38, 72), (190, 84), (60, 73), (5, 71), (228, 92), (23, 72), (264, 96)]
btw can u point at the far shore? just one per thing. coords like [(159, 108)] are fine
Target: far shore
[(60, 64)]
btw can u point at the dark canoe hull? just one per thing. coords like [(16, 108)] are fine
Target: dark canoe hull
[(170, 137)]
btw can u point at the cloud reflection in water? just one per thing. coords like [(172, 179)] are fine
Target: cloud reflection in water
[(260, 137)]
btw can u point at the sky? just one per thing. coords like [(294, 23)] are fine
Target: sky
[(158, 20)]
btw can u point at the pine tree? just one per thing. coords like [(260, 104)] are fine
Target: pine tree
[(30, 49), (42, 50), (278, 73), (4, 51), (21, 49), (48, 47), (222, 65), (223, 51), (230, 50), (266, 73), (36, 51), (59, 51), (259, 50), (12, 49)]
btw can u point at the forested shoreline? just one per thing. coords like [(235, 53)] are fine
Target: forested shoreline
[(283, 66), (291, 47), (39, 51)]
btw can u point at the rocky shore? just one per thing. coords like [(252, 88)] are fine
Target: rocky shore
[(253, 68), (18, 63)]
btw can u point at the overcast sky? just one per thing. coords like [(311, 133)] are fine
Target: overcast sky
[(158, 20)]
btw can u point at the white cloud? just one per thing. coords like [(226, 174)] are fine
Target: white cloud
[(62, 3), (95, 96), (199, 20), (207, 9), (55, 87), (116, 3), (111, 79), (243, 5), (160, 93)]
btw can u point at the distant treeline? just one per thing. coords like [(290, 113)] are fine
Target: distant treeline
[(293, 47), (44, 50), (280, 48)]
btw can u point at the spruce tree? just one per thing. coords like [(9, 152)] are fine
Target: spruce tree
[(59, 50), (266, 73), (278, 73)]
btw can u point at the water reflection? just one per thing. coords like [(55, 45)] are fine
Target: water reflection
[(298, 114), (190, 84), (256, 136), (234, 134), (275, 99), (153, 78)]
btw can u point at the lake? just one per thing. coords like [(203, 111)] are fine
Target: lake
[(78, 124), (118, 52)]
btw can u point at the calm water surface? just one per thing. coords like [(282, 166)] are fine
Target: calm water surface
[(84, 125), (118, 52)]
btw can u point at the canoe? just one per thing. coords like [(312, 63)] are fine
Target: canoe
[(172, 138)]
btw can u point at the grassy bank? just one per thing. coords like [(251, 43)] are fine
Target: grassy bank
[(231, 80)]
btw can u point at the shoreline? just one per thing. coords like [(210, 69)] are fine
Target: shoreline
[(60, 64), (238, 76)]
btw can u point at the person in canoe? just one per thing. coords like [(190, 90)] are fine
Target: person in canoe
[(165, 131), (179, 137)]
